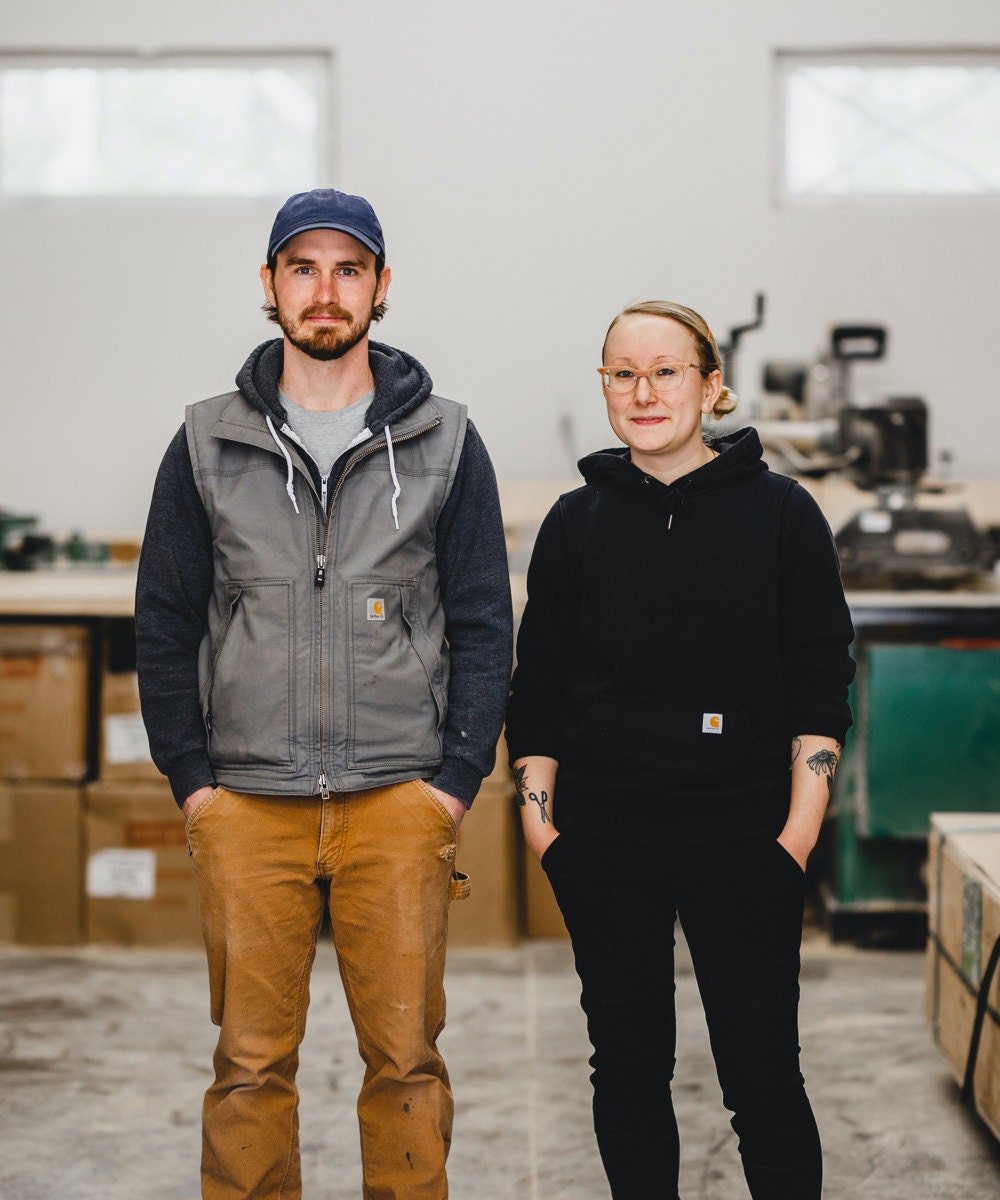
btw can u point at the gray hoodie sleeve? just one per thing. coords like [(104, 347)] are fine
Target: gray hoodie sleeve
[(475, 592), (171, 607)]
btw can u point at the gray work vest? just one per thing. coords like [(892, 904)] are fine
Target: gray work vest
[(343, 685)]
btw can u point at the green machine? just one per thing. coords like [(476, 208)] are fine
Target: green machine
[(926, 739)]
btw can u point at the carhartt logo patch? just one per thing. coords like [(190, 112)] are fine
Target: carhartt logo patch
[(711, 722), (376, 608)]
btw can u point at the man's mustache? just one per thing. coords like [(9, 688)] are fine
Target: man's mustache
[(325, 310)]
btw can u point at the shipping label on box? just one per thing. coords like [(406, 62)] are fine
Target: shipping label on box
[(972, 930), (130, 874), (124, 742), (140, 884)]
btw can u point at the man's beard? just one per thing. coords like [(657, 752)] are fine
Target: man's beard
[(324, 344)]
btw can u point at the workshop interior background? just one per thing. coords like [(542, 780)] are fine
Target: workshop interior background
[(536, 166), (822, 182)]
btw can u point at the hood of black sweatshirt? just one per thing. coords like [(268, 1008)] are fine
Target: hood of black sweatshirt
[(401, 383), (740, 458)]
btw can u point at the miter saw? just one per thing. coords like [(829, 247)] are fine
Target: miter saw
[(816, 430)]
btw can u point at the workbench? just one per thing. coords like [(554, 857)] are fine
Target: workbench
[(81, 593)]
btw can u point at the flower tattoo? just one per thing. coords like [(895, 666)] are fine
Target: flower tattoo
[(524, 795)]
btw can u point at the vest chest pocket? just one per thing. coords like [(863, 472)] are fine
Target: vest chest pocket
[(396, 678), (249, 701)]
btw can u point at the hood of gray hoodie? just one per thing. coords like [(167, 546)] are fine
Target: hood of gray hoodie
[(401, 383)]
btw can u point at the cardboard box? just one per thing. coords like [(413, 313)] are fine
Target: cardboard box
[(542, 918), (124, 753), (41, 882), (487, 853), (140, 883), (964, 923), (124, 746), (44, 677)]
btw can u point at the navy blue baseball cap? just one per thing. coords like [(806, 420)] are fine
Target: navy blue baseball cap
[(325, 208)]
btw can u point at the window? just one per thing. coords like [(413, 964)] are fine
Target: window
[(872, 124), (166, 125)]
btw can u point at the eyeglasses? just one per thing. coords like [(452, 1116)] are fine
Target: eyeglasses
[(664, 377)]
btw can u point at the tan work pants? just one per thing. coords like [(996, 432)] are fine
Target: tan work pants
[(388, 855)]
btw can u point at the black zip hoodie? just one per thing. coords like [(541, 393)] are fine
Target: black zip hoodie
[(175, 580), (676, 638)]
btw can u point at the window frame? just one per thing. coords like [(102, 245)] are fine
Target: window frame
[(326, 142), (785, 61)]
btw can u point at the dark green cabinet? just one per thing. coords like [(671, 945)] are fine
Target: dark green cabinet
[(926, 739)]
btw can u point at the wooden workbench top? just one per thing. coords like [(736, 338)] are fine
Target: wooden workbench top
[(68, 592)]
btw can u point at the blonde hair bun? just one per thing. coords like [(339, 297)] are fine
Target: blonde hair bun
[(725, 403)]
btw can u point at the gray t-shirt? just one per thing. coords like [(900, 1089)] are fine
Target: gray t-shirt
[(326, 435)]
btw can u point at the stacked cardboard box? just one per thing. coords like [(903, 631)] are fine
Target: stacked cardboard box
[(542, 917), (140, 884), (41, 836), (487, 850), (122, 835), (124, 746), (44, 678), (44, 688), (964, 919)]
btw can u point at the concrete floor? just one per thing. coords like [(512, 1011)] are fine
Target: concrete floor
[(104, 1055)]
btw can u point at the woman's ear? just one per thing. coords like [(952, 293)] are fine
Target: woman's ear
[(713, 387)]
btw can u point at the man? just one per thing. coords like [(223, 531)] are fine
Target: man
[(324, 629)]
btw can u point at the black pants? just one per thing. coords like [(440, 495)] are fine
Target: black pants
[(740, 905)]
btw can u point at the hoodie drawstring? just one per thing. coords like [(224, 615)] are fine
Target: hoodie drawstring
[(678, 500), (395, 478), (672, 500), (289, 483)]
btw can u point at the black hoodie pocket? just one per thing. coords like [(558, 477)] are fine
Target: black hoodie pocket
[(696, 747)]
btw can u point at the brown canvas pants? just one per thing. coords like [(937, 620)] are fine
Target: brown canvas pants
[(388, 857)]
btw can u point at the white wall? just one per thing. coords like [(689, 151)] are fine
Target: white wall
[(517, 155)]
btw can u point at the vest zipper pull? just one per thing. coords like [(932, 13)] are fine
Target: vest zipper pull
[(320, 570), (324, 787)]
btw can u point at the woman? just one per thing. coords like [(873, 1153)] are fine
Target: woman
[(685, 641)]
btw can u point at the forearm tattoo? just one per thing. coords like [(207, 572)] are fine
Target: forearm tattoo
[(824, 762), (523, 795)]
